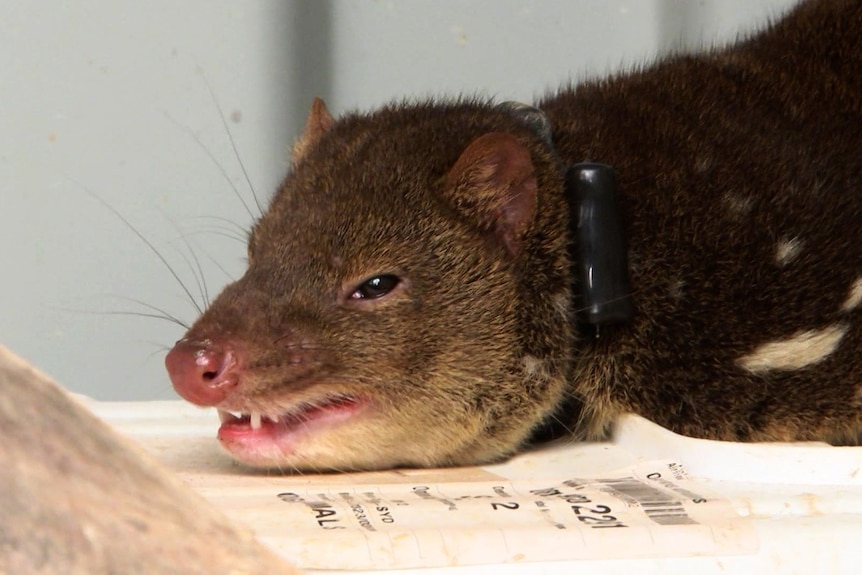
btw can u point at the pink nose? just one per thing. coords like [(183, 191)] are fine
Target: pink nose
[(202, 372)]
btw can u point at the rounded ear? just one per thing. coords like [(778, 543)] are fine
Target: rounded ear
[(319, 122), (493, 183)]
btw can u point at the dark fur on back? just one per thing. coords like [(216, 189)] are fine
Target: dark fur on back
[(721, 158)]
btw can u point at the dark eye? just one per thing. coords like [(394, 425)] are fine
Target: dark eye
[(376, 287)]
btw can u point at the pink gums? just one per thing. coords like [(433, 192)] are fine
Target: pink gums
[(273, 439)]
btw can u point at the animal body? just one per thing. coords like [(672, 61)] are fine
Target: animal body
[(411, 300)]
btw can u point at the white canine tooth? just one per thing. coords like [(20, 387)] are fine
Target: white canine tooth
[(254, 418), (273, 418)]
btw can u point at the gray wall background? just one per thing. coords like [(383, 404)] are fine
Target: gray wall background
[(117, 101)]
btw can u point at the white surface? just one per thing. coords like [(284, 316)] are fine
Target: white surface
[(806, 519), (102, 94)]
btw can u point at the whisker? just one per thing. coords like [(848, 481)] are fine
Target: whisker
[(239, 227), (160, 348), (196, 269), (216, 263), (197, 273), (631, 294), (147, 242), (215, 161), (219, 232), (570, 432), (184, 235), (161, 316), (233, 145), (158, 313)]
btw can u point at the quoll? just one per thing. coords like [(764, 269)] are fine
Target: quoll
[(413, 294)]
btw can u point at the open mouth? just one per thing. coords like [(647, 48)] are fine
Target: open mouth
[(262, 439)]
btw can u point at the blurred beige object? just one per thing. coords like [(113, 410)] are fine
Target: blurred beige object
[(77, 498)]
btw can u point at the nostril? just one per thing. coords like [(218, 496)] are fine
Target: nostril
[(202, 372)]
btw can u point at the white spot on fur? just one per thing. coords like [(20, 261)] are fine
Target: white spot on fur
[(854, 298), (798, 351), (787, 250)]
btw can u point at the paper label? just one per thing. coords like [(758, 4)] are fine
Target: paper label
[(649, 510)]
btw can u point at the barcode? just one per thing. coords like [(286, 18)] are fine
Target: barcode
[(659, 506)]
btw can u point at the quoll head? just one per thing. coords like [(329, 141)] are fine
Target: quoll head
[(405, 302)]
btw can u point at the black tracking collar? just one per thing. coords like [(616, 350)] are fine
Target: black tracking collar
[(599, 262), (598, 247), (598, 253)]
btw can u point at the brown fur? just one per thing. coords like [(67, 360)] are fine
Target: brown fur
[(720, 157)]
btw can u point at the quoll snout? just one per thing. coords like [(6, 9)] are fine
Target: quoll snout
[(202, 372)]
